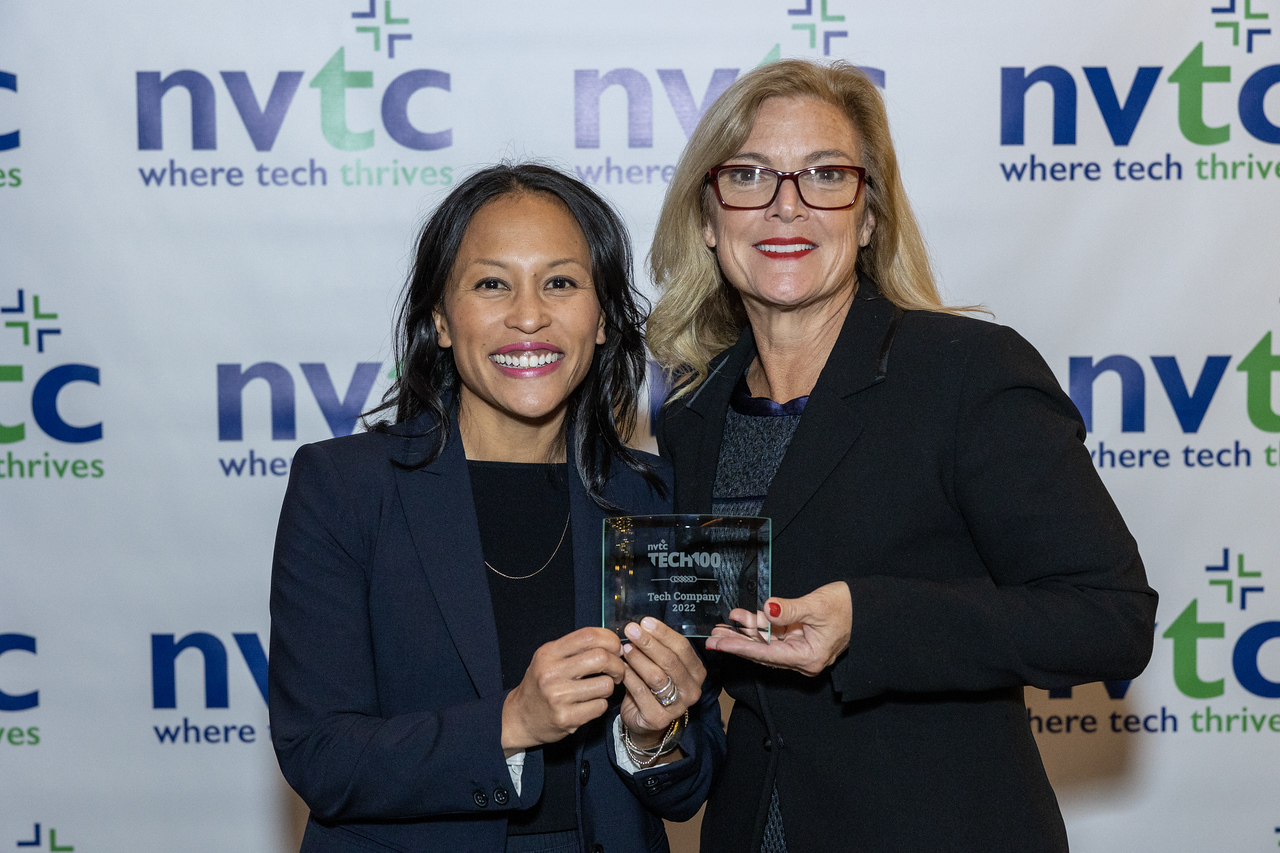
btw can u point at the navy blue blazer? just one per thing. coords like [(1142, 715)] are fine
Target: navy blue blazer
[(385, 684)]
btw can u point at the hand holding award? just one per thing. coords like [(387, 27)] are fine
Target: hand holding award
[(687, 571)]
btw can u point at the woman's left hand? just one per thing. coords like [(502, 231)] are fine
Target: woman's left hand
[(655, 654), (807, 633)]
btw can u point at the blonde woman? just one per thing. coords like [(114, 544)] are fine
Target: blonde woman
[(941, 538)]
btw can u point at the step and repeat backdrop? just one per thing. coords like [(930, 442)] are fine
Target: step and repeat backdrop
[(207, 211)]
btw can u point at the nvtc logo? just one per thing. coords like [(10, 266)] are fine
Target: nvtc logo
[(1237, 583), (589, 84), (263, 121), (164, 655), (1190, 403), (34, 329), (1121, 117), (340, 414), (164, 692)]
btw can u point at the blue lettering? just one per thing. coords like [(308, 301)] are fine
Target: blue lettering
[(12, 139), (20, 643), (341, 415), (231, 382), (588, 86), (1122, 121), (44, 403), (395, 110), (151, 90), (255, 658), (1190, 408), (1252, 95), (1244, 660), (1014, 83), (164, 654), (262, 124), (681, 97), (1083, 372)]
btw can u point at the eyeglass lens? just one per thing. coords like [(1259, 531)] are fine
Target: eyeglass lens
[(753, 187)]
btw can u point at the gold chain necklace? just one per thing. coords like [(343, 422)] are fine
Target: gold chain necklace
[(544, 565)]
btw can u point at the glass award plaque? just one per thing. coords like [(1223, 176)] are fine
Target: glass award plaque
[(687, 570)]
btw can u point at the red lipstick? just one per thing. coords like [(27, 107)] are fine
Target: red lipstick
[(785, 248)]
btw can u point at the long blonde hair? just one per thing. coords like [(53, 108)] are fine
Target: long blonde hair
[(699, 314)]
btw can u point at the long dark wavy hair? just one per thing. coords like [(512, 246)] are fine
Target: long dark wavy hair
[(601, 410)]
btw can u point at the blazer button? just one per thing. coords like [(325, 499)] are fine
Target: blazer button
[(480, 799), (599, 848), (768, 744), (501, 796), (585, 773), (651, 781)]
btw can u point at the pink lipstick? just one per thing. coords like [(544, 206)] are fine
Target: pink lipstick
[(527, 359)]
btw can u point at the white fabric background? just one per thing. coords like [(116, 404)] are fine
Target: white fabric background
[(155, 286)]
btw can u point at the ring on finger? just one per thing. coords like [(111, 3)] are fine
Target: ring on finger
[(667, 693)]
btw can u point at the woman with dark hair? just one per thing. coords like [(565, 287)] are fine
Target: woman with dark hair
[(438, 678)]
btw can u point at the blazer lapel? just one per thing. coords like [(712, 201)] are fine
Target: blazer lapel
[(703, 423), (588, 538), (831, 422), (440, 512)]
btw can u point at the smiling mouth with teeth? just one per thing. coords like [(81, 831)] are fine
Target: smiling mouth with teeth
[(525, 360), (774, 248)]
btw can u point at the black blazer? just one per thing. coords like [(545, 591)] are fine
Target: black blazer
[(939, 470), (385, 684)]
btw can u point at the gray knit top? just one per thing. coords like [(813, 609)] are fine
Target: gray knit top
[(757, 432)]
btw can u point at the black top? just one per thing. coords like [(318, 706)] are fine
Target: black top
[(522, 511)]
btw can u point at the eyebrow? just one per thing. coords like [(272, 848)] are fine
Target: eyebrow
[(493, 262), (814, 158)]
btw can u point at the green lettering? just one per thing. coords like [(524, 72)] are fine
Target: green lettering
[(11, 434), (333, 81), (1258, 365), (1190, 78), (1184, 632)]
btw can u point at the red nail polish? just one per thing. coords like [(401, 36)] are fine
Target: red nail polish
[(775, 609)]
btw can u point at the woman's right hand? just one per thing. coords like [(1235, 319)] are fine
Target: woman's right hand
[(568, 684)]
